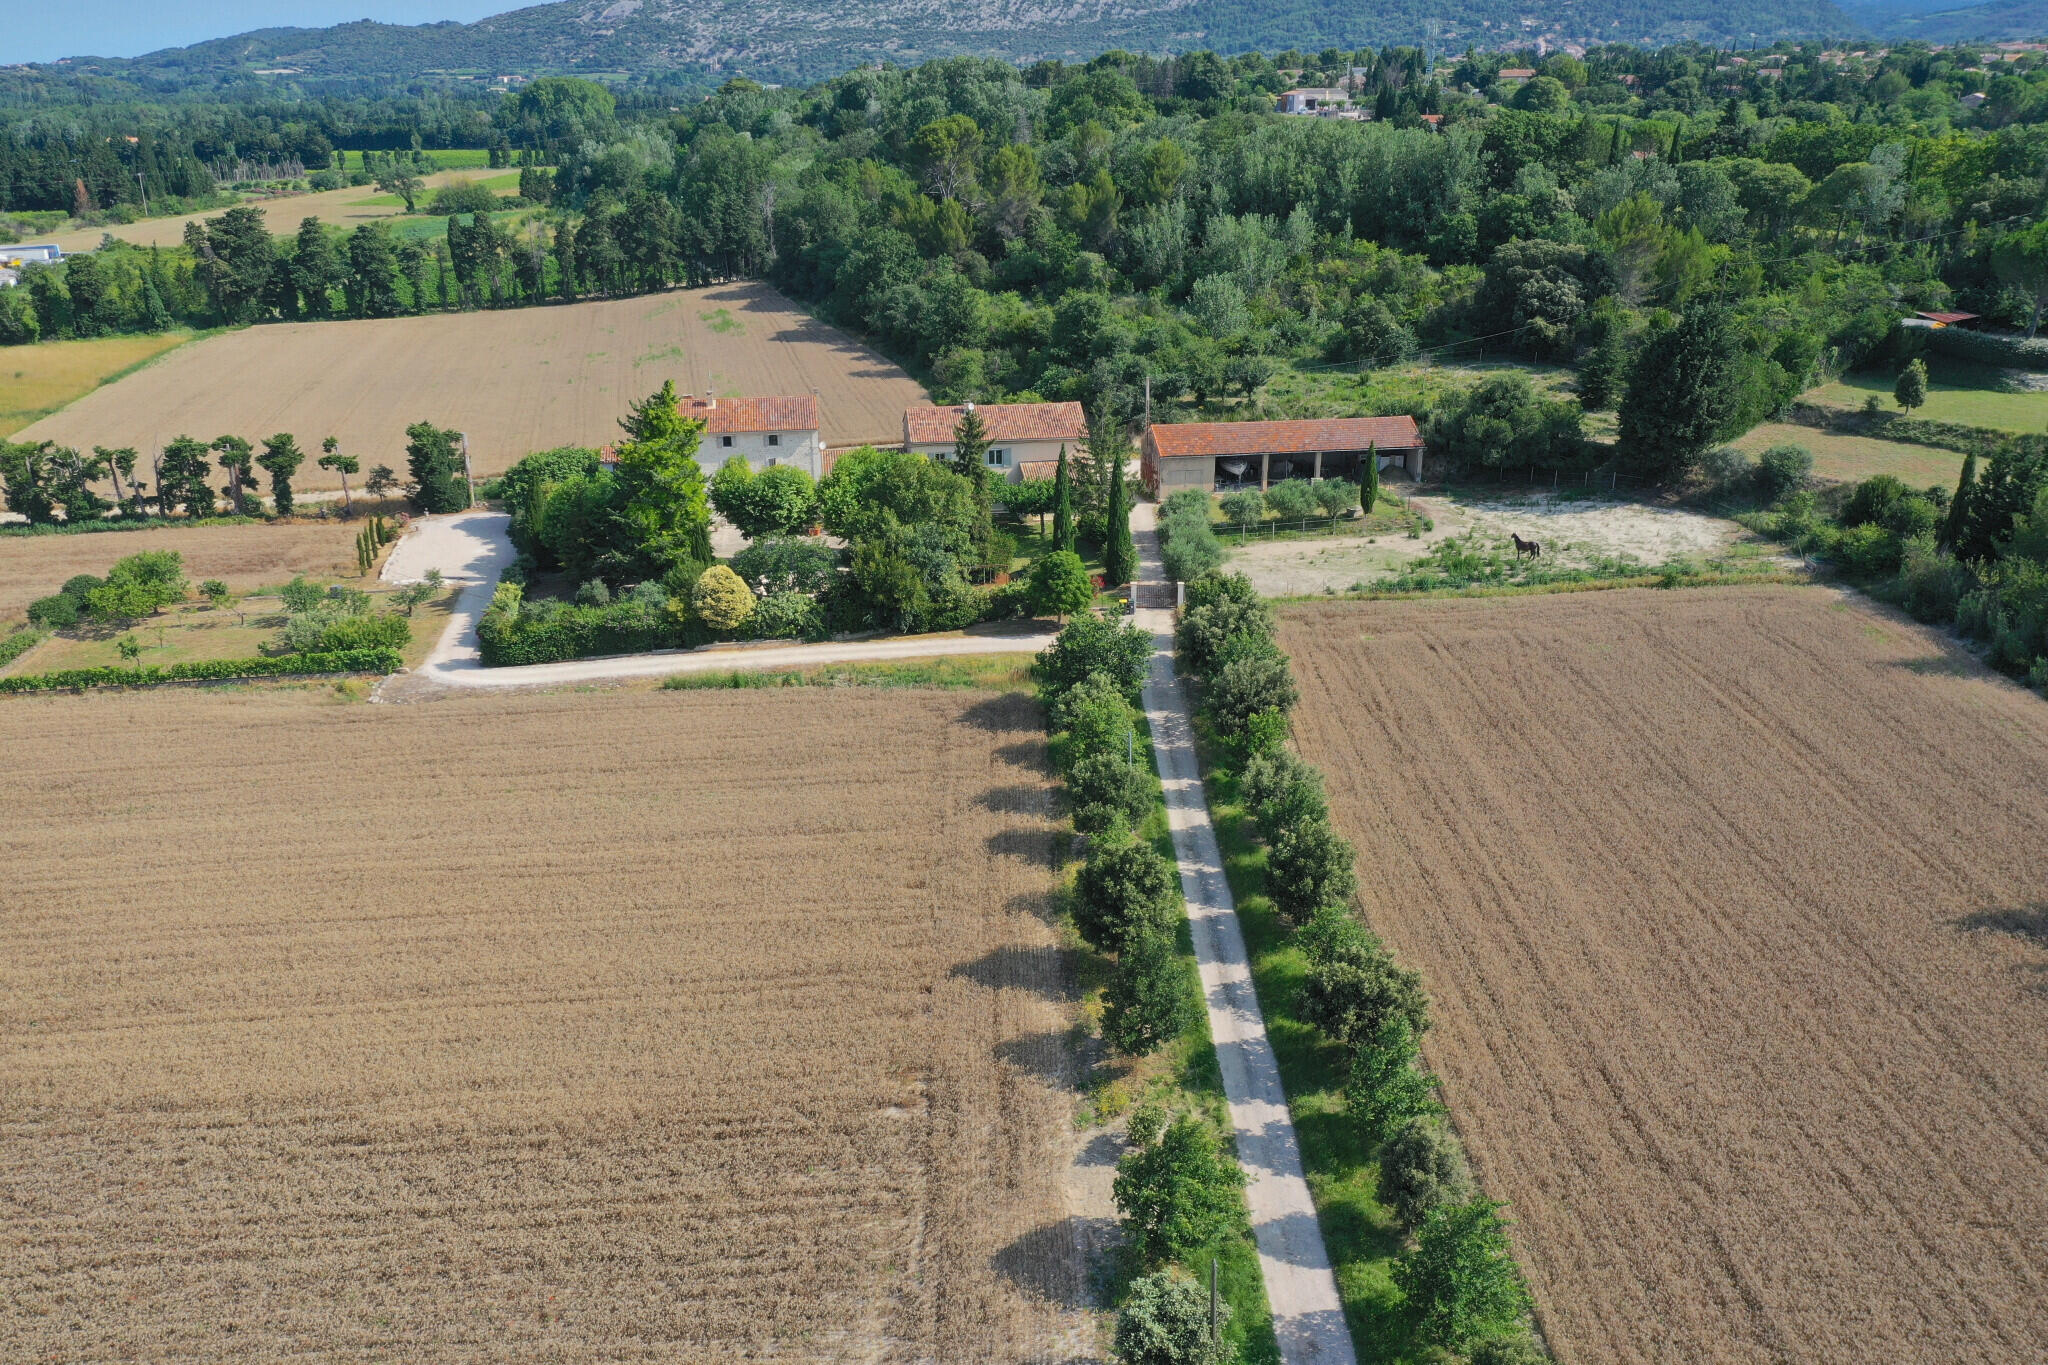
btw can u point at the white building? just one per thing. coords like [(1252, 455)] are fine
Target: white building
[(15, 257), (767, 431), (1313, 100), (1024, 438), (9, 278)]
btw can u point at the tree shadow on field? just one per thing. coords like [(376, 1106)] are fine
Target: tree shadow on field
[(1032, 845), (1040, 970), (1049, 1056), (2027, 923), (1018, 800), (1044, 906), (1006, 713), (1053, 1262)]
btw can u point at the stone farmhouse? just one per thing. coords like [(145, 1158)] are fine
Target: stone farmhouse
[(1024, 438), (767, 431)]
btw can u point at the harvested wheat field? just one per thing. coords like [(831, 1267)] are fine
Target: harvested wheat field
[(1732, 906), (243, 557), (350, 206), (615, 1026), (517, 379)]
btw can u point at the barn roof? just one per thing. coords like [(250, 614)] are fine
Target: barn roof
[(1285, 438), (731, 416), (1005, 422), (1948, 319)]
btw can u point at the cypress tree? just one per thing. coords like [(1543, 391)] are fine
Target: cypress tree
[(1959, 507), (1063, 505), (1369, 479), (1120, 552)]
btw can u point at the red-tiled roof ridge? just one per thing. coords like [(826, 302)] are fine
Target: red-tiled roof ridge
[(1285, 438), (1005, 422), (774, 412)]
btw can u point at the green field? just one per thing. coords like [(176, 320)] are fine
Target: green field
[(1851, 459), (1956, 392)]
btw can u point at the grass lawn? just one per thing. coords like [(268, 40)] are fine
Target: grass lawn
[(423, 226), (1851, 459), (37, 380), (986, 672), (191, 632), (1348, 391), (1956, 392)]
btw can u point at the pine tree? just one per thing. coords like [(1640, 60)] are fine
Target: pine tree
[(1120, 552), (970, 448), (1684, 394), (1369, 479), (1959, 507), (1911, 390), (1063, 506)]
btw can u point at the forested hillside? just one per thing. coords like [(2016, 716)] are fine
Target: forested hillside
[(784, 41)]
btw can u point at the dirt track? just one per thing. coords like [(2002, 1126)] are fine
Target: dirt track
[(651, 1026), (1732, 904), (517, 380)]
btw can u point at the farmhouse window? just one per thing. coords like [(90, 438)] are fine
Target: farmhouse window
[(774, 440), (725, 442), (999, 459)]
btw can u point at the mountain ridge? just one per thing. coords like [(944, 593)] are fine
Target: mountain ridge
[(787, 41)]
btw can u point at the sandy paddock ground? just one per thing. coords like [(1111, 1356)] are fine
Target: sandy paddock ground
[(621, 1026), (1730, 901), (1572, 531), (516, 380)]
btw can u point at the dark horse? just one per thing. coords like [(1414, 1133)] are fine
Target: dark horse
[(1530, 548)]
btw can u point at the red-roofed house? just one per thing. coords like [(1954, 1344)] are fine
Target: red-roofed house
[(1024, 438), (767, 431), (1257, 454)]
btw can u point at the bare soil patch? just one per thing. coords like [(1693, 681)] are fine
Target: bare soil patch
[(1574, 531), (243, 557), (621, 1026), (1714, 891), (516, 380)]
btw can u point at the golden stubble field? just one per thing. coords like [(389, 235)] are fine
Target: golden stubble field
[(243, 557), (516, 380), (347, 207), (1734, 906), (616, 1026)]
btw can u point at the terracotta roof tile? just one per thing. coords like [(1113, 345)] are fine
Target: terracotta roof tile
[(1285, 438), (729, 416), (1005, 422)]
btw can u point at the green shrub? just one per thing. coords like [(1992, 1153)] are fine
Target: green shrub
[(1781, 470), (1125, 887), (1516, 1349), (1244, 508), (1282, 791), (1104, 789), (299, 595), (54, 612), (1873, 501), (594, 593), (1206, 633), (1932, 581), (1354, 986), (1422, 1166), (1335, 497), (1308, 866), (1177, 1194), (776, 564), (1164, 1320), (1210, 588), (1725, 467), (365, 632), (1868, 551), (13, 646), (1291, 499), (1147, 1003), (1095, 716), (1185, 502), (788, 616), (1191, 553), (1247, 685), (1090, 644), (1386, 1088), (1060, 585), (78, 585), (722, 600), (1460, 1282)]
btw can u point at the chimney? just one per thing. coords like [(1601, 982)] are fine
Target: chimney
[(970, 407)]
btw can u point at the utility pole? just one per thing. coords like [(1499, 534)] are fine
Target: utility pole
[(468, 479), (1212, 1301), (144, 188)]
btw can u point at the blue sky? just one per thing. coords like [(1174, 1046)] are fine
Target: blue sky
[(34, 31)]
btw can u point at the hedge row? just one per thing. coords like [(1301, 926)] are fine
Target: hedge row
[(1989, 348), (340, 661), (1460, 1287), (18, 644), (94, 527)]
